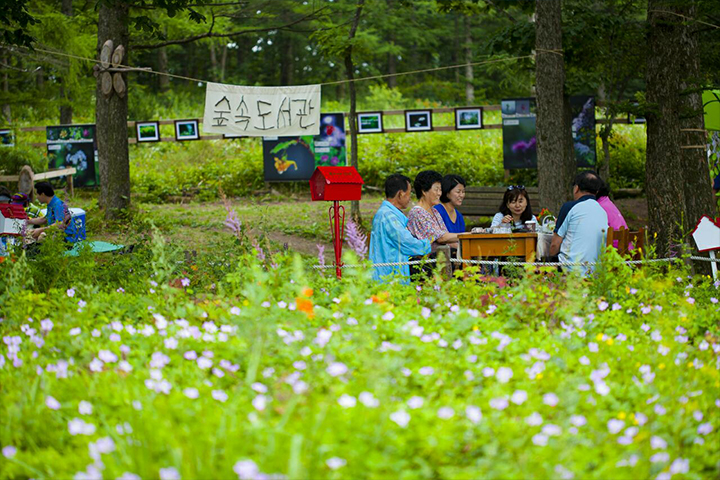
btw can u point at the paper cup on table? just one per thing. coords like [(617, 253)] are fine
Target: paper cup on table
[(531, 226)]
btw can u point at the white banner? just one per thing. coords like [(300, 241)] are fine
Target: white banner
[(262, 111)]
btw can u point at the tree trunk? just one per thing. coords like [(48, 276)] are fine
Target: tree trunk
[(213, 62), (286, 64), (699, 198), (392, 57), (223, 63), (605, 131), (6, 110), (469, 87), (111, 117), (663, 165), (555, 169), (163, 80), (66, 110), (40, 78), (349, 70)]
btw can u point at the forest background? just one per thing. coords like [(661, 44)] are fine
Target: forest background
[(285, 42)]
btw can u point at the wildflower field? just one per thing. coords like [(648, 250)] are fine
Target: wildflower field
[(147, 366)]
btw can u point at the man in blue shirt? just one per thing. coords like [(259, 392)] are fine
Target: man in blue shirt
[(390, 240), (57, 213), (581, 227)]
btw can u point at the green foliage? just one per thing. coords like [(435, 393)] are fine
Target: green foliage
[(14, 158), (549, 376)]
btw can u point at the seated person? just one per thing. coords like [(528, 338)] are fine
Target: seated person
[(32, 210), (581, 225), (453, 194), (424, 222), (515, 208), (390, 240), (5, 196), (57, 215), (615, 219)]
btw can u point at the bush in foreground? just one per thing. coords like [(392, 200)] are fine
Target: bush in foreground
[(279, 371)]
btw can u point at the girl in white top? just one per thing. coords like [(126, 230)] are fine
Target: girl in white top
[(515, 208)]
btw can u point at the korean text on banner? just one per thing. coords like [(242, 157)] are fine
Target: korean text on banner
[(262, 111)]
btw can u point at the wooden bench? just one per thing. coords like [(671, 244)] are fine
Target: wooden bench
[(61, 172), (625, 238), (484, 201)]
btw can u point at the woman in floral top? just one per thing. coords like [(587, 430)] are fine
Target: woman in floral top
[(424, 222)]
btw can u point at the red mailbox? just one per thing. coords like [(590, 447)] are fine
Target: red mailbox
[(335, 184)]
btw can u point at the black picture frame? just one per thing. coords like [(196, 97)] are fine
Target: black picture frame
[(379, 128), (459, 118), (412, 117), (181, 136), (143, 137)]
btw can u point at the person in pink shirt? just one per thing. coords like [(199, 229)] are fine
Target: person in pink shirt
[(615, 218)]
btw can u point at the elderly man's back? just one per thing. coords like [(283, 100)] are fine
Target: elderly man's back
[(583, 224)]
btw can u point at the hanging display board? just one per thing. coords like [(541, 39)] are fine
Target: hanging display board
[(291, 159), (262, 111), (74, 146), (519, 118)]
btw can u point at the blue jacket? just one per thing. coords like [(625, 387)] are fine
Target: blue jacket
[(390, 242)]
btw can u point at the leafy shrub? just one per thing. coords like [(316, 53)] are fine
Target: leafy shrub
[(14, 158)]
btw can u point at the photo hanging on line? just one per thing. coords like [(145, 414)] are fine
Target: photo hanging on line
[(468, 118), (186, 130), (147, 131), (418, 121), (370, 122)]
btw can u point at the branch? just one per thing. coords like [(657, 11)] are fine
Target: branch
[(210, 34)]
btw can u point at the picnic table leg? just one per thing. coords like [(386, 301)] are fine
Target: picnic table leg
[(70, 184), (529, 250)]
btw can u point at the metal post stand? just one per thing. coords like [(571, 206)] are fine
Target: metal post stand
[(337, 229)]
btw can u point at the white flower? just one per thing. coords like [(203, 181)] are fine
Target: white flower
[(169, 473), (518, 397), (426, 371), (347, 401), (171, 343), (259, 387), (504, 374), (680, 465), (77, 426), (401, 417), (105, 445), (415, 402), (660, 457), (246, 470), (473, 413), (96, 365), (534, 419), (578, 420), (75, 331), (704, 428), (70, 292), (336, 369), (204, 363), (259, 402), (191, 392), (446, 413), (46, 325), (9, 451), (593, 347), (641, 418), (388, 316), (85, 408), (500, 403), (51, 403), (160, 321), (614, 425), (550, 399), (551, 430), (602, 388), (235, 311), (219, 395), (107, 356), (584, 360), (488, 372), (660, 410), (540, 439), (367, 399), (335, 462)]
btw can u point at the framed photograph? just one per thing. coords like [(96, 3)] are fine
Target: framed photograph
[(147, 131), (186, 130), (370, 122), (6, 138), (468, 118), (418, 120)]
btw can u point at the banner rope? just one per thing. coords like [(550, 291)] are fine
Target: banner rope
[(504, 263)]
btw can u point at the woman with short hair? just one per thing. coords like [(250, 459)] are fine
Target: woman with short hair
[(424, 222), (453, 194)]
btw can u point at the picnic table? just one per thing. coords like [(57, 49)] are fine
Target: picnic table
[(498, 245)]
